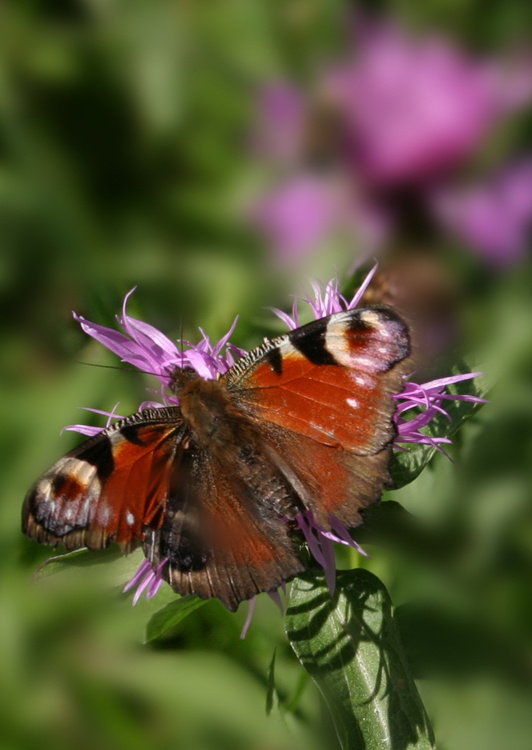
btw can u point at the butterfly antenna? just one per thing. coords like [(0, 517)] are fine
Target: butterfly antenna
[(107, 367), (181, 344), (114, 367)]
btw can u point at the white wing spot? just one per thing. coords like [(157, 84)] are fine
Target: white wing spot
[(130, 518), (353, 403), (364, 381)]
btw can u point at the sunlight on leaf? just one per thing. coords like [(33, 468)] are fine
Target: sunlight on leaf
[(350, 646)]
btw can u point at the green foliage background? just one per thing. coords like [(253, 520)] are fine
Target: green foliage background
[(124, 127)]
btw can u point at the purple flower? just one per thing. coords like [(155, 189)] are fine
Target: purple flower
[(427, 399), (493, 217), (414, 107), (151, 351), (145, 579), (148, 349), (89, 430), (326, 299), (282, 112), (309, 208), (300, 214), (411, 110)]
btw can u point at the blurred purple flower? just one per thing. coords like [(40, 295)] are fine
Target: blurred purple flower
[(411, 111), (305, 210), (494, 217), (282, 112), (299, 214), (416, 106)]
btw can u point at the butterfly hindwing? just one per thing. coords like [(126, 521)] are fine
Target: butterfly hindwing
[(110, 487), (329, 479), (218, 540)]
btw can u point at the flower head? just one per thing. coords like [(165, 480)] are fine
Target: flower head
[(427, 399), (493, 217), (409, 112), (326, 299), (416, 106), (151, 351)]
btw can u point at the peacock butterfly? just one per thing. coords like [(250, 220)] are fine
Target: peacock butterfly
[(210, 487)]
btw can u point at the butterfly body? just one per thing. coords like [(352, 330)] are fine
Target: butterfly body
[(209, 487)]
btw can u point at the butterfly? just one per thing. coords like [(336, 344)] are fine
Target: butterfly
[(211, 488)]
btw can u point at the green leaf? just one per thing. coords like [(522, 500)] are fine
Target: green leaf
[(350, 646), (169, 616), (407, 465), (108, 567), (271, 691), (292, 705)]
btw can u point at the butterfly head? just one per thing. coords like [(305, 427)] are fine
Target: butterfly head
[(181, 378)]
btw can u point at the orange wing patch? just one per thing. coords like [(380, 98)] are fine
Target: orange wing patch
[(330, 381)]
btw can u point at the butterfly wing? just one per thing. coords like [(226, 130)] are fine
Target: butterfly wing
[(111, 487), (220, 538), (201, 513), (321, 399)]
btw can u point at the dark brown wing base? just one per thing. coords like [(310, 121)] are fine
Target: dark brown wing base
[(222, 539)]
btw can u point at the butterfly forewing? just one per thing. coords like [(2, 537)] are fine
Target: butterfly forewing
[(321, 399), (330, 381)]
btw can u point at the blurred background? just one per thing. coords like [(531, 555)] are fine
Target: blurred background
[(217, 155)]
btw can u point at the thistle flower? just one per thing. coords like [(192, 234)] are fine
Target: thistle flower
[(494, 216), (408, 112), (414, 107), (151, 351), (300, 213), (428, 397)]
